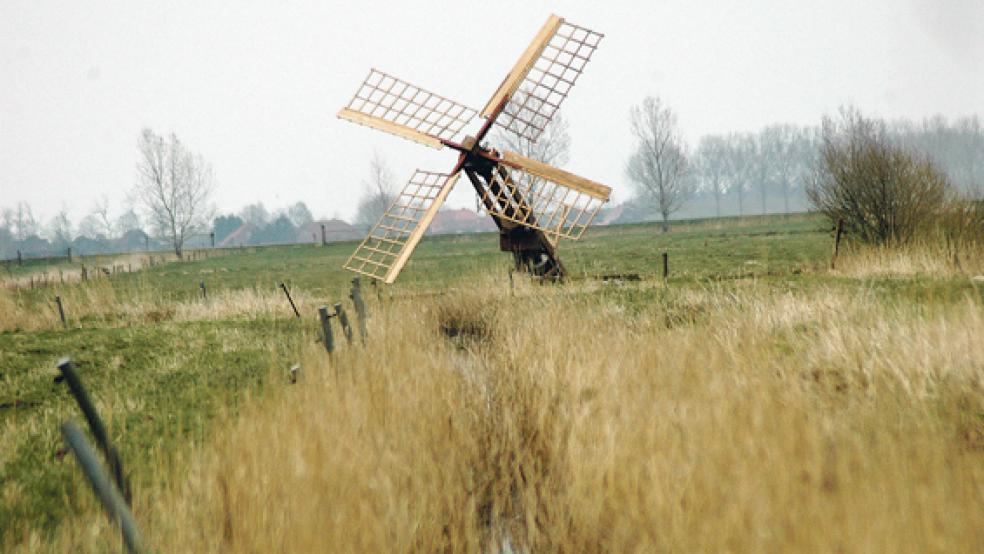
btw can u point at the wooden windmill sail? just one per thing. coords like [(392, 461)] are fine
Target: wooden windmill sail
[(532, 203)]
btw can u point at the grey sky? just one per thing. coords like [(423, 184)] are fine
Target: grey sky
[(254, 86)]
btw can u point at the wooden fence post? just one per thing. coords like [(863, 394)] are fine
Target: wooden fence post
[(324, 235), (204, 291), (326, 329), (837, 242), (666, 265), (111, 499), (20, 259), (211, 238), (69, 254), (343, 320), (291, 300), (61, 311), (95, 425), (360, 307)]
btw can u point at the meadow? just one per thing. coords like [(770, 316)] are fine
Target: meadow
[(755, 400)]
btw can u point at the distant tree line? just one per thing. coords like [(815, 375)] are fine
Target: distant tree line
[(96, 233), (281, 227), (768, 171)]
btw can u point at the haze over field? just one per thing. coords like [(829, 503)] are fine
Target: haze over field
[(254, 88)]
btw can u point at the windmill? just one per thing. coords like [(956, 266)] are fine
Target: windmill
[(533, 204)]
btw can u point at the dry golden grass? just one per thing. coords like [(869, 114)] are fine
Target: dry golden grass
[(100, 303), (752, 420), (932, 260)]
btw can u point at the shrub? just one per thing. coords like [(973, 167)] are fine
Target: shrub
[(884, 193)]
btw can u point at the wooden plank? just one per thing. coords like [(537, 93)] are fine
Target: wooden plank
[(402, 131), (418, 231), (559, 176), (523, 64)]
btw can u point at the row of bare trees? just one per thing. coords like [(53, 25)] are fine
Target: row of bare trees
[(755, 171), (666, 173)]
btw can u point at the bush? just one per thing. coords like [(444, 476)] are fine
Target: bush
[(884, 193)]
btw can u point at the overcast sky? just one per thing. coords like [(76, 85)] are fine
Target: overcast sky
[(254, 86)]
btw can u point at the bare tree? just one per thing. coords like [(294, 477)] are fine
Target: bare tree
[(970, 165), (378, 192), (174, 186), (127, 221), (711, 163), (741, 153), (21, 221), (780, 144), (552, 147), (659, 164), (91, 227), (299, 214), (60, 230), (255, 214), (100, 210)]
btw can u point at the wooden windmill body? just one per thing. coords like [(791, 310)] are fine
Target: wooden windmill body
[(532, 203)]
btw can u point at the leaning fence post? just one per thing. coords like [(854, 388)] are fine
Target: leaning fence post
[(360, 307), (61, 311), (326, 329), (837, 242), (343, 319), (291, 300), (110, 497), (95, 425)]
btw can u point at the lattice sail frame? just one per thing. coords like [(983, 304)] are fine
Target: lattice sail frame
[(543, 77), (387, 247), (408, 111), (541, 203)]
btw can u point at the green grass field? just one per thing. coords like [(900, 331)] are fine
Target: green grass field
[(169, 369)]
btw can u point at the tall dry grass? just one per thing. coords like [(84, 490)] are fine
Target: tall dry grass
[(930, 259), (105, 304), (558, 421)]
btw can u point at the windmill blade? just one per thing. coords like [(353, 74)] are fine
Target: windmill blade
[(386, 249), (534, 194), (397, 107), (542, 78)]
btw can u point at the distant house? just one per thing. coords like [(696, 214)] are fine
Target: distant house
[(461, 220), (335, 230)]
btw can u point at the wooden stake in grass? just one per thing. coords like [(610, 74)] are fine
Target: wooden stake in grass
[(666, 265), (291, 300), (204, 291), (61, 311), (95, 425), (360, 307), (837, 242), (326, 329), (108, 494), (343, 319)]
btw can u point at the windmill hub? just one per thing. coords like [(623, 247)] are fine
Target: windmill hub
[(533, 204)]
